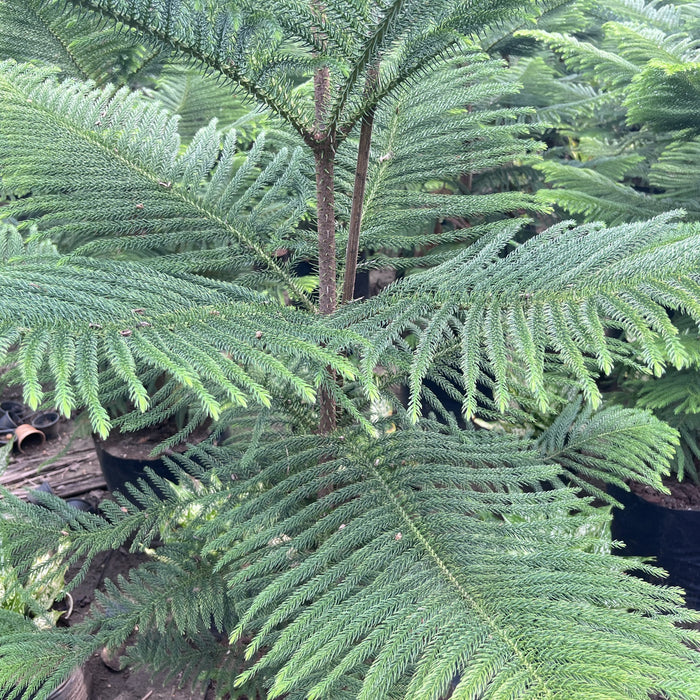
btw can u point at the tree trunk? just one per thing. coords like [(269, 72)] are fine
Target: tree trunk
[(358, 199), (324, 154), (326, 263), (325, 197)]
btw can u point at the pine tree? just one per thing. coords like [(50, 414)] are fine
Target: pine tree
[(621, 92), (339, 544), (623, 103)]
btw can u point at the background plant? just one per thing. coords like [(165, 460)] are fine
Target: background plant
[(617, 102), (27, 601)]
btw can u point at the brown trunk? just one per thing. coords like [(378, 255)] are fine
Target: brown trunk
[(326, 230), (326, 263), (358, 198), (324, 154)]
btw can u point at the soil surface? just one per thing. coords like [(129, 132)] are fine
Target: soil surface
[(68, 466), (128, 684), (683, 496), (140, 444)]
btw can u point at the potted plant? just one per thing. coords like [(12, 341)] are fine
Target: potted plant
[(24, 613), (663, 524), (335, 557), (125, 457), (633, 109)]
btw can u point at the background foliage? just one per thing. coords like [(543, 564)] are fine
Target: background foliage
[(621, 117)]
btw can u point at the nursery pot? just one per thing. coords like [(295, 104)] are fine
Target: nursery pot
[(669, 535), (73, 688), (28, 436), (47, 422), (7, 423), (15, 409), (118, 471)]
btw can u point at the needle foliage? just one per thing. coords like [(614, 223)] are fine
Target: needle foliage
[(151, 255), (623, 104)]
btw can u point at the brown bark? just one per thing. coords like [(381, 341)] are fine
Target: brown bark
[(322, 90), (358, 198), (324, 154), (326, 262), (325, 206)]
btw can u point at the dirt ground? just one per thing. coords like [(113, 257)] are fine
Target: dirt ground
[(683, 496), (129, 684)]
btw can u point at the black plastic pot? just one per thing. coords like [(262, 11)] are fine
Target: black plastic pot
[(73, 688), (118, 471), (671, 536), (47, 422), (18, 411), (80, 504), (7, 423)]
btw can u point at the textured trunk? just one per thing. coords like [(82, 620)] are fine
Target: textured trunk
[(326, 262), (326, 229), (324, 154)]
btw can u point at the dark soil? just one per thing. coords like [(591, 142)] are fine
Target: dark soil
[(683, 496), (127, 684), (140, 445)]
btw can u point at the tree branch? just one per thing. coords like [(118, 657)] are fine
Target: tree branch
[(228, 69)]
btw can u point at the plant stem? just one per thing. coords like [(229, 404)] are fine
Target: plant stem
[(326, 263), (358, 198), (325, 206)]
